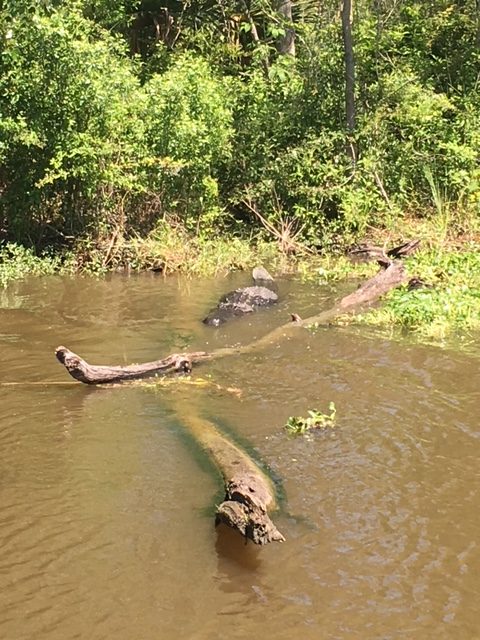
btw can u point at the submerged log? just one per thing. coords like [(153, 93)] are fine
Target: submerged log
[(249, 492)]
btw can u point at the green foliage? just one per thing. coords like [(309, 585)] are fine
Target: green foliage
[(171, 249), (189, 129), (116, 116), (17, 262), (450, 303), (70, 132), (286, 167), (413, 129), (315, 420)]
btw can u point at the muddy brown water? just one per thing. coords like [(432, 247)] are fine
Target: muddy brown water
[(106, 505)]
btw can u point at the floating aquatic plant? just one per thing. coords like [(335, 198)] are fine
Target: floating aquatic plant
[(298, 425)]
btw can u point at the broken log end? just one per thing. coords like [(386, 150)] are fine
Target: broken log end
[(245, 509), (253, 524)]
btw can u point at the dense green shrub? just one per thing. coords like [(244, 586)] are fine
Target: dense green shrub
[(415, 133), (71, 135), (103, 135), (18, 262), (189, 130)]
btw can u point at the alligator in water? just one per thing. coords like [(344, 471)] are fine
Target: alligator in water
[(244, 300)]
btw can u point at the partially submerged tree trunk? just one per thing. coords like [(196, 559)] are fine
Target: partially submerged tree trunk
[(250, 494), (366, 295)]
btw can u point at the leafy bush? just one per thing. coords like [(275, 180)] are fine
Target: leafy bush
[(286, 168), (70, 133), (415, 133), (17, 262), (104, 135), (189, 129)]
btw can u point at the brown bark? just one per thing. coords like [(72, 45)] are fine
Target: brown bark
[(286, 42), (249, 493), (404, 250), (99, 374), (370, 291), (368, 253)]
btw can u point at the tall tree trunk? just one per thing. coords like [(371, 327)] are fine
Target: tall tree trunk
[(347, 10), (286, 42)]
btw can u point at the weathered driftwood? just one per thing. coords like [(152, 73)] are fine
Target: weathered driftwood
[(369, 253), (371, 290), (250, 494), (99, 374), (405, 249)]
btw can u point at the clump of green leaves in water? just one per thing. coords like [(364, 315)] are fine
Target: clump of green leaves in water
[(298, 425)]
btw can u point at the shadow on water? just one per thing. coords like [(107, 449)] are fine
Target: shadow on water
[(235, 553)]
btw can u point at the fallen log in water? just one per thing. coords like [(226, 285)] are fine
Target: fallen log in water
[(249, 492), (250, 495), (368, 293), (100, 374)]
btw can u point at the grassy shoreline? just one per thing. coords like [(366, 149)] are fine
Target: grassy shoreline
[(448, 264)]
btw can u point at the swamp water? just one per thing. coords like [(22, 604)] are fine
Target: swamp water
[(106, 527)]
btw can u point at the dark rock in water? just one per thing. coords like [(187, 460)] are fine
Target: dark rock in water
[(244, 300)]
